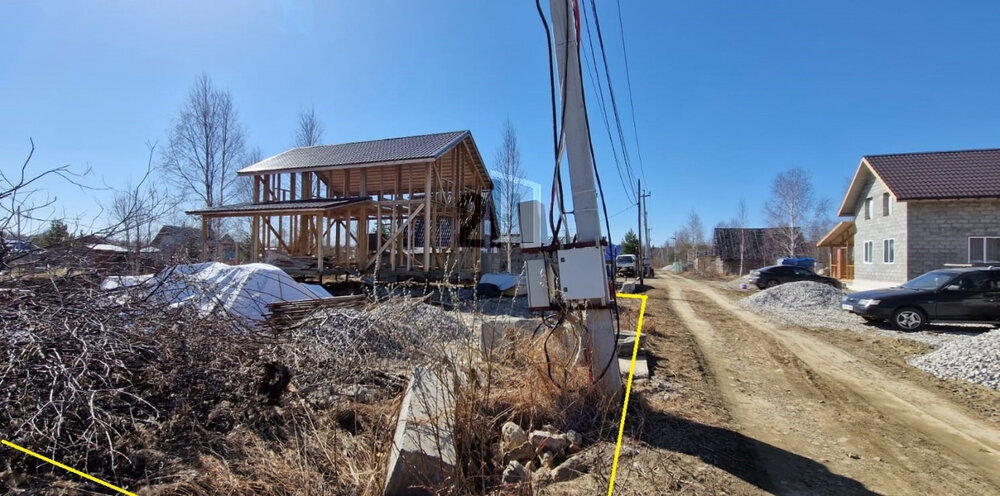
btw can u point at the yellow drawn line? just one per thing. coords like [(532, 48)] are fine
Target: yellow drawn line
[(628, 387), (71, 469)]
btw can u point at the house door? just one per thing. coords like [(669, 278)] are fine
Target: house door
[(841, 263)]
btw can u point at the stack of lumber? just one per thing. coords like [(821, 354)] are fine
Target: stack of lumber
[(286, 313)]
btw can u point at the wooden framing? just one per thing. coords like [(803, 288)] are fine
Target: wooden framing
[(392, 220)]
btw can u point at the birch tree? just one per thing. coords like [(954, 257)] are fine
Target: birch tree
[(740, 223), (206, 146), (789, 207), (510, 186)]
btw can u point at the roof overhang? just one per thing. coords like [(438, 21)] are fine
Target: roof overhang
[(839, 235)]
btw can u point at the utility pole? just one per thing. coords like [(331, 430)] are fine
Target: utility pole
[(599, 343), (645, 215), (639, 265)]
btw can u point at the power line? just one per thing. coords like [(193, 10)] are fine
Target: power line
[(611, 91), (628, 79)]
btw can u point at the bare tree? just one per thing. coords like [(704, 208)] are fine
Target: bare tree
[(740, 222), (136, 211), (22, 204), (206, 145), (310, 130), (510, 186), (791, 202), (821, 223)]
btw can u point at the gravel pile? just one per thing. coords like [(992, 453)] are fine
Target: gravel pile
[(805, 303), (817, 306), (976, 359)]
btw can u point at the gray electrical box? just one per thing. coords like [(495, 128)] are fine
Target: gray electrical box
[(530, 222), (582, 274), (539, 277)]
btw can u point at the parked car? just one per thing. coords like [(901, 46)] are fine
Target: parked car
[(769, 277), (966, 295), (626, 264)]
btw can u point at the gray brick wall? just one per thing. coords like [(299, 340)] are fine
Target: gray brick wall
[(940, 229), (877, 229)]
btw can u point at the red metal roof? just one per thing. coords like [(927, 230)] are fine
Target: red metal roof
[(939, 175)]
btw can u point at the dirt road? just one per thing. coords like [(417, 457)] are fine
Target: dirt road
[(822, 419)]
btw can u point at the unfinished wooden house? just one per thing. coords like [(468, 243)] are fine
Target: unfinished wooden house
[(419, 206)]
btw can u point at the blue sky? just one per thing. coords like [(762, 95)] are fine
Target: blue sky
[(727, 94)]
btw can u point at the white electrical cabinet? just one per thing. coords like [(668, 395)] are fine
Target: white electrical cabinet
[(530, 222), (582, 275), (539, 284)]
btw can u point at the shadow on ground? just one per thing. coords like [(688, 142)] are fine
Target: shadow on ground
[(766, 466)]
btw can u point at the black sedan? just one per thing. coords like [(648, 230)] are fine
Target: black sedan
[(966, 295), (769, 277)]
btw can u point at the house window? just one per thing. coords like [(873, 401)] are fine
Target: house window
[(868, 208), (869, 248), (886, 204), (984, 249), (888, 251)]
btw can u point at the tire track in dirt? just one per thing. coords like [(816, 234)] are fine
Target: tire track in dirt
[(805, 396)]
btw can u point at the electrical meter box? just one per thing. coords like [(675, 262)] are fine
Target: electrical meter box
[(530, 222), (539, 277), (582, 274)]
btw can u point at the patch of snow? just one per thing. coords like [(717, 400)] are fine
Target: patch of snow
[(242, 291)]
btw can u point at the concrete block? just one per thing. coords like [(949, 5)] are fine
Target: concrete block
[(496, 330), (423, 447), (626, 342)]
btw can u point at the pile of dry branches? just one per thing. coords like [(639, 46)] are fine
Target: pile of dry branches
[(158, 398)]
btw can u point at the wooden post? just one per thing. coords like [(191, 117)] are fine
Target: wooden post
[(204, 238), (427, 218), (255, 238), (319, 246)]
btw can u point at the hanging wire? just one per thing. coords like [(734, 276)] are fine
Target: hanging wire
[(611, 93), (623, 175)]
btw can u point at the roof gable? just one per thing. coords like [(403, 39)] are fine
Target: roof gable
[(410, 148)]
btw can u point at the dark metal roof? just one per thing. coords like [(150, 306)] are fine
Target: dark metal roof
[(939, 175), (410, 148), (243, 209)]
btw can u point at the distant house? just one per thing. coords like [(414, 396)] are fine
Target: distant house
[(761, 247), (184, 243), (915, 212)]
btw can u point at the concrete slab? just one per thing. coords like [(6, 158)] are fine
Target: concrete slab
[(641, 367), (423, 448)]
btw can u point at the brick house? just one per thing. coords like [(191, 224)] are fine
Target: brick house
[(915, 212)]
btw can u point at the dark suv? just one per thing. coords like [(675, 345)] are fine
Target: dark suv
[(964, 295), (769, 277)]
